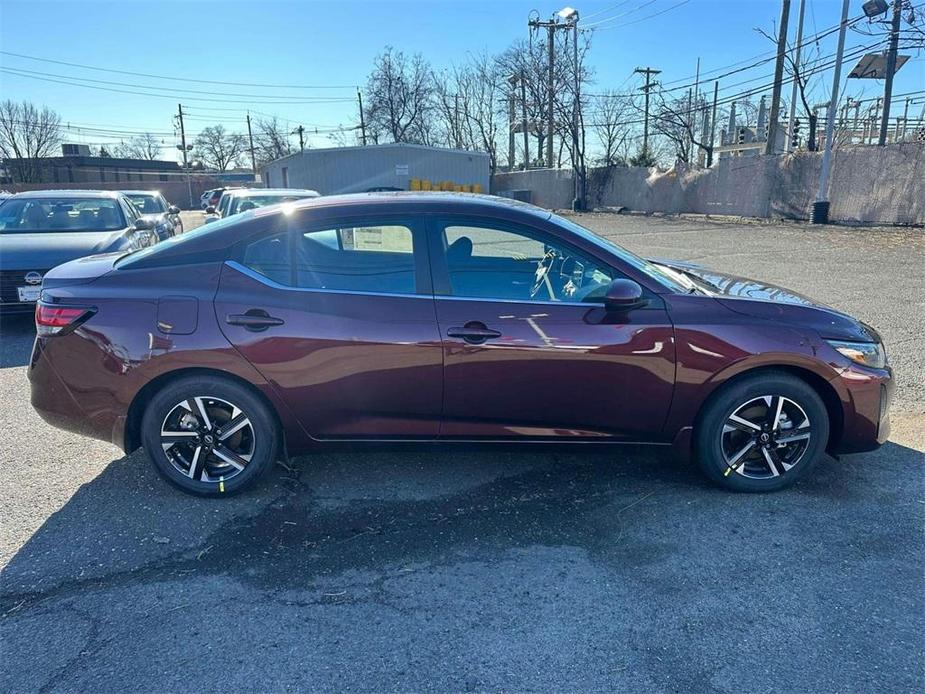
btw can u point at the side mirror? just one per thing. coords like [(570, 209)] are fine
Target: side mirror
[(208, 220), (623, 295), (210, 209), (173, 209), (142, 224)]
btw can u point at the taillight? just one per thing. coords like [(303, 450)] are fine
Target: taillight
[(55, 320)]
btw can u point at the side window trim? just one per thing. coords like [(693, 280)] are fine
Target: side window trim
[(263, 279), (436, 228), (295, 229)]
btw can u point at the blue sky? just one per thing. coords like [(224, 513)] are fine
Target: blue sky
[(335, 42)]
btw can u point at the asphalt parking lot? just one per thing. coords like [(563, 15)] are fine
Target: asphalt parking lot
[(473, 571)]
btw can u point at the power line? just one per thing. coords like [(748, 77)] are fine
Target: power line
[(173, 90), (643, 19), (178, 79), (16, 73)]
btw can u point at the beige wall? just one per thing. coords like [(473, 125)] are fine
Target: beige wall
[(869, 185)]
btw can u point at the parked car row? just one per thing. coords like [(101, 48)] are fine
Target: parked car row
[(42, 229)]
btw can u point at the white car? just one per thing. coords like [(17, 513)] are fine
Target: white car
[(238, 200)]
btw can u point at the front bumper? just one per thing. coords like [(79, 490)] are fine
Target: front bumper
[(866, 396)]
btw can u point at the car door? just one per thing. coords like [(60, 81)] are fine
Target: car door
[(530, 350), (338, 315)]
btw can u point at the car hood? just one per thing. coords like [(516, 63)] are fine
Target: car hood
[(761, 299), (46, 249)]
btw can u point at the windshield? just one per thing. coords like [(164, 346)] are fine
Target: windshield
[(656, 272), (242, 204), (60, 214), (148, 204)]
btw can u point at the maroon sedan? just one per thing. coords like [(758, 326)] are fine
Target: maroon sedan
[(442, 317)]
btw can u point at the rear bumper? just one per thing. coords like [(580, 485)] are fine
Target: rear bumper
[(56, 404), (866, 397)]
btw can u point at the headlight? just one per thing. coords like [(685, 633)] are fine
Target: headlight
[(869, 354)]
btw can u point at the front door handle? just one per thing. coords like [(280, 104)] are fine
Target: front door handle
[(256, 320), (474, 333)]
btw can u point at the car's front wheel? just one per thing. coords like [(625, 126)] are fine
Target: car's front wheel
[(761, 433), (209, 436)]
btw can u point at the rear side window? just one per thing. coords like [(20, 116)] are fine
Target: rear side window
[(373, 258)]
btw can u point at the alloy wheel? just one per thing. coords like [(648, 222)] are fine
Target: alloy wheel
[(765, 437), (208, 439)]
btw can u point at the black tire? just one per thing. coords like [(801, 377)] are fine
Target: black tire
[(715, 445), (250, 450)]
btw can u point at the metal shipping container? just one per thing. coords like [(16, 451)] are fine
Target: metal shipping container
[(390, 166)]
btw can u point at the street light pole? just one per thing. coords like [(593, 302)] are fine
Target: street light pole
[(796, 75), (821, 206)]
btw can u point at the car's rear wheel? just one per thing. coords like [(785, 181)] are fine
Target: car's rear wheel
[(209, 436), (761, 433)]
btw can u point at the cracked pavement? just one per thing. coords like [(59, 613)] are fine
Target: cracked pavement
[(482, 569)]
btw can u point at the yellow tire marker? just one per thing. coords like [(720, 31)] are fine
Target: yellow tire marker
[(221, 484)]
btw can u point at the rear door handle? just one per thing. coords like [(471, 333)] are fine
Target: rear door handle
[(473, 332), (255, 320)]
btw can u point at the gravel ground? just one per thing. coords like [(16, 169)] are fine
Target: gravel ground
[(453, 570)]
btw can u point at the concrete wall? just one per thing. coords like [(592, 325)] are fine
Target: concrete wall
[(869, 185), (176, 192), (357, 169)]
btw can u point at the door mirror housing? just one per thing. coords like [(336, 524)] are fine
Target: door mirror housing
[(210, 209), (142, 224), (624, 295), (173, 209)]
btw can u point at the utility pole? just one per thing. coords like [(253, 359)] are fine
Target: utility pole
[(890, 69), (821, 206), (648, 72), (189, 183), (578, 200), (362, 118), (770, 145), (300, 130), (713, 125), (250, 136), (511, 111), (550, 27), (796, 75), (523, 121)]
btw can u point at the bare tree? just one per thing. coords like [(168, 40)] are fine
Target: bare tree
[(218, 148), (611, 121), (467, 100), (400, 98), (675, 121), (144, 146), (529, 60), (271, 140), (27, 133)]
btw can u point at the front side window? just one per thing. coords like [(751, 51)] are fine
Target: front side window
[(60, 214), (489, 263), (369, 258)]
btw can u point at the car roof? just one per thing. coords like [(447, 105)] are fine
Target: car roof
[(445, 201), (89, 194), (140, 192), (245, 192)]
